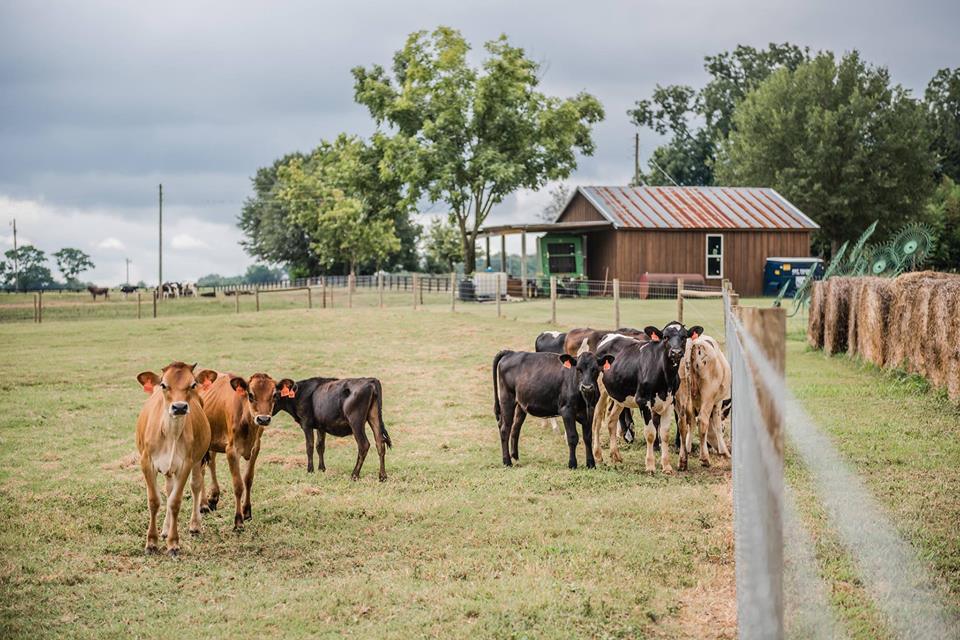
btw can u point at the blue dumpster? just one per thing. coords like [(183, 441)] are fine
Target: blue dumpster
[(780, 271)]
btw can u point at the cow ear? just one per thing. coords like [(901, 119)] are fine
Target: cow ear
[(567, 360), (148, 380), (653, 332), (239, 385), (695, 332), (206, 378), (606, 360)]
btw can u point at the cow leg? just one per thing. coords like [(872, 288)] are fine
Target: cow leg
[(649, 434), (358, 424), (153, 503), (613, 419), (321, 446), (196, 491), (167, 490), (518, 417), (248, 483), (570, 429), (214, 485), (233, 459), (663, 424), (587, 428), (599, 414), (308, 436), (508, 407), (373, 418), (174, 499), (683, 426), (716, 431)]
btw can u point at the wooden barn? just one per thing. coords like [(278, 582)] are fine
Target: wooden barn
[(718, 232)]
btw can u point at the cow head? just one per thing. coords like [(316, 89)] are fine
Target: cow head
[(586, 369), (260, 391), (177, 383), (674, 339)]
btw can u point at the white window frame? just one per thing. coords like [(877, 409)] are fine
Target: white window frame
[(706, 249)]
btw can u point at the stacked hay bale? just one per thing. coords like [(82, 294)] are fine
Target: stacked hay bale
[(873, 318), (836, 311), (815, 319)]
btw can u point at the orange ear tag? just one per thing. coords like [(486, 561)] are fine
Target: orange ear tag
[(241, 392), (287, 392), (695, 336), (567, 365), (148, 387), (655, 338), (606, 366), (207, 384)]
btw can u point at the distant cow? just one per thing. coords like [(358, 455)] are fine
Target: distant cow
[(703, 398), (127, 288), (545, 385), (340, 407), (98, 291), (170, 290), (645, 377), (189, 290), (238, 410), (173, 436)]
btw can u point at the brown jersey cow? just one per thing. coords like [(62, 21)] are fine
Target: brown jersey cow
[(173, 436), (238, 411)]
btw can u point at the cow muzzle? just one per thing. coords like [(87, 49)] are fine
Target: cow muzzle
[(263, 420), (179, 409), (675, 355)]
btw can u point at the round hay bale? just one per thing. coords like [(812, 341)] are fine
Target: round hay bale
[(951, 357), (857, 288), (835, 315), (909, 318), (815, 319), (936, 343), (873, 311)]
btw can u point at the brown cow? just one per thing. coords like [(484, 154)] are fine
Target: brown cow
[(238, 410), (576, 338), (173, 436), (98, 291), (702, 397)]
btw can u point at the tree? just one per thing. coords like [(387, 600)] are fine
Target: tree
[(837, 140), (698, 121), (261, 273), (34, 273), (472, 136), (442, 246), (72, 262), (345, 224), (943, 214), (558, 200), (942, 98)]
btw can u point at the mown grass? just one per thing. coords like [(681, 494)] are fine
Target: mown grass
[(452, 545)]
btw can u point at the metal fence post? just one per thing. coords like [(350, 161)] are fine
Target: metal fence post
[(453, 291), (616, 303), (553, 299), (680, 300)]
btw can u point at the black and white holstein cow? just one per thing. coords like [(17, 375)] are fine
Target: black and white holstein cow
[(545, 385), (550, 342), (645, 377)]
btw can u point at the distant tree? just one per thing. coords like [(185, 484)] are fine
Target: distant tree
[(697, 121), (943, 107), (442, 246), (837, 140), (216, 280), (32, 262), (558, 200), (261, 273), (72, 262), (471, 136), (943, 214)]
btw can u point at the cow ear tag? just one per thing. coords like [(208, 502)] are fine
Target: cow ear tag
[(566, 364), (655, 338), (148, 387), (606, 366), (695, 336), (287, 392), (241, 392), (207, 384)]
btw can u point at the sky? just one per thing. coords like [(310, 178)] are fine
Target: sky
[(102, 101)]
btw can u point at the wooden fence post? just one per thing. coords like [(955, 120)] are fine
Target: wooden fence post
[(309, 298), (498, 294), (413, 285), (420, 289), (323, 292), (40, 308), (553, 299), (138, 305), (680, 300), (380, 288), (256, 292), (453, 291), (616, 303), (236, 294), (154, 303), (350, 291), (35, 309)]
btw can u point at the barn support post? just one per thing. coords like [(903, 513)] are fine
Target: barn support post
[(523, 265), (553, 299), (138, 305), (380, 288), (453, 291), (503, 253), (680, 300), (155, 293), (498, 294), (256, 292), (616, 303)]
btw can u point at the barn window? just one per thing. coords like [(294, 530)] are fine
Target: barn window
[(714, 255), (562, 257)]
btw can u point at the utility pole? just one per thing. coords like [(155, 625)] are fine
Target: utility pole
[(160, 274), (636, 159), (16, 259), (128, 269)]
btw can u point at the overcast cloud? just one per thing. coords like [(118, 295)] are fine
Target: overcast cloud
[(101, 101)]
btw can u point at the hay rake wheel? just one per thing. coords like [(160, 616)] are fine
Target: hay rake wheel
[(912, 245)]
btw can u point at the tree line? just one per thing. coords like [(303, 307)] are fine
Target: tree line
[(834, 135), (26, 268)]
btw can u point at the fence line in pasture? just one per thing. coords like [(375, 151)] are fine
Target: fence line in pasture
[(779, 589)]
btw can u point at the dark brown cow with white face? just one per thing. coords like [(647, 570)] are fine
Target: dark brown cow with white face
[(238, 410)]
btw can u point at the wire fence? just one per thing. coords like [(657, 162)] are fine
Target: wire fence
[(780, 592)]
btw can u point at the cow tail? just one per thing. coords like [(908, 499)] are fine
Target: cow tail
[(383, 426), (496, 392)]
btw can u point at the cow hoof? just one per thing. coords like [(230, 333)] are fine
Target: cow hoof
[(173, 552), (515, 456), (572, 464), (247, 513), (212, 503), (238, 522), (682, 466), (668, 471), (704, 463), (383, 477), (591, 464), (309, 470), (355, 476), (507, 462), (323, 469), (151, 550), (616, 457), (204, 509)]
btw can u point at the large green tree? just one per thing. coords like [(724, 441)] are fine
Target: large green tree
[(33, 270), (942, 98), (72, 262), (442, 246), (699, 120), (838, 140), (470, 136), (943, 214)]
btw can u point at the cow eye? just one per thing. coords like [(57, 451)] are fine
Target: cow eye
[(163, 385), (250, 395), (194, 385)]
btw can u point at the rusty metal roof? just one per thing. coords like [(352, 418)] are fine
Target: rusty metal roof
[(695, 208)]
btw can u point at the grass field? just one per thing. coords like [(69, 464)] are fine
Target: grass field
[(452, 545)]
